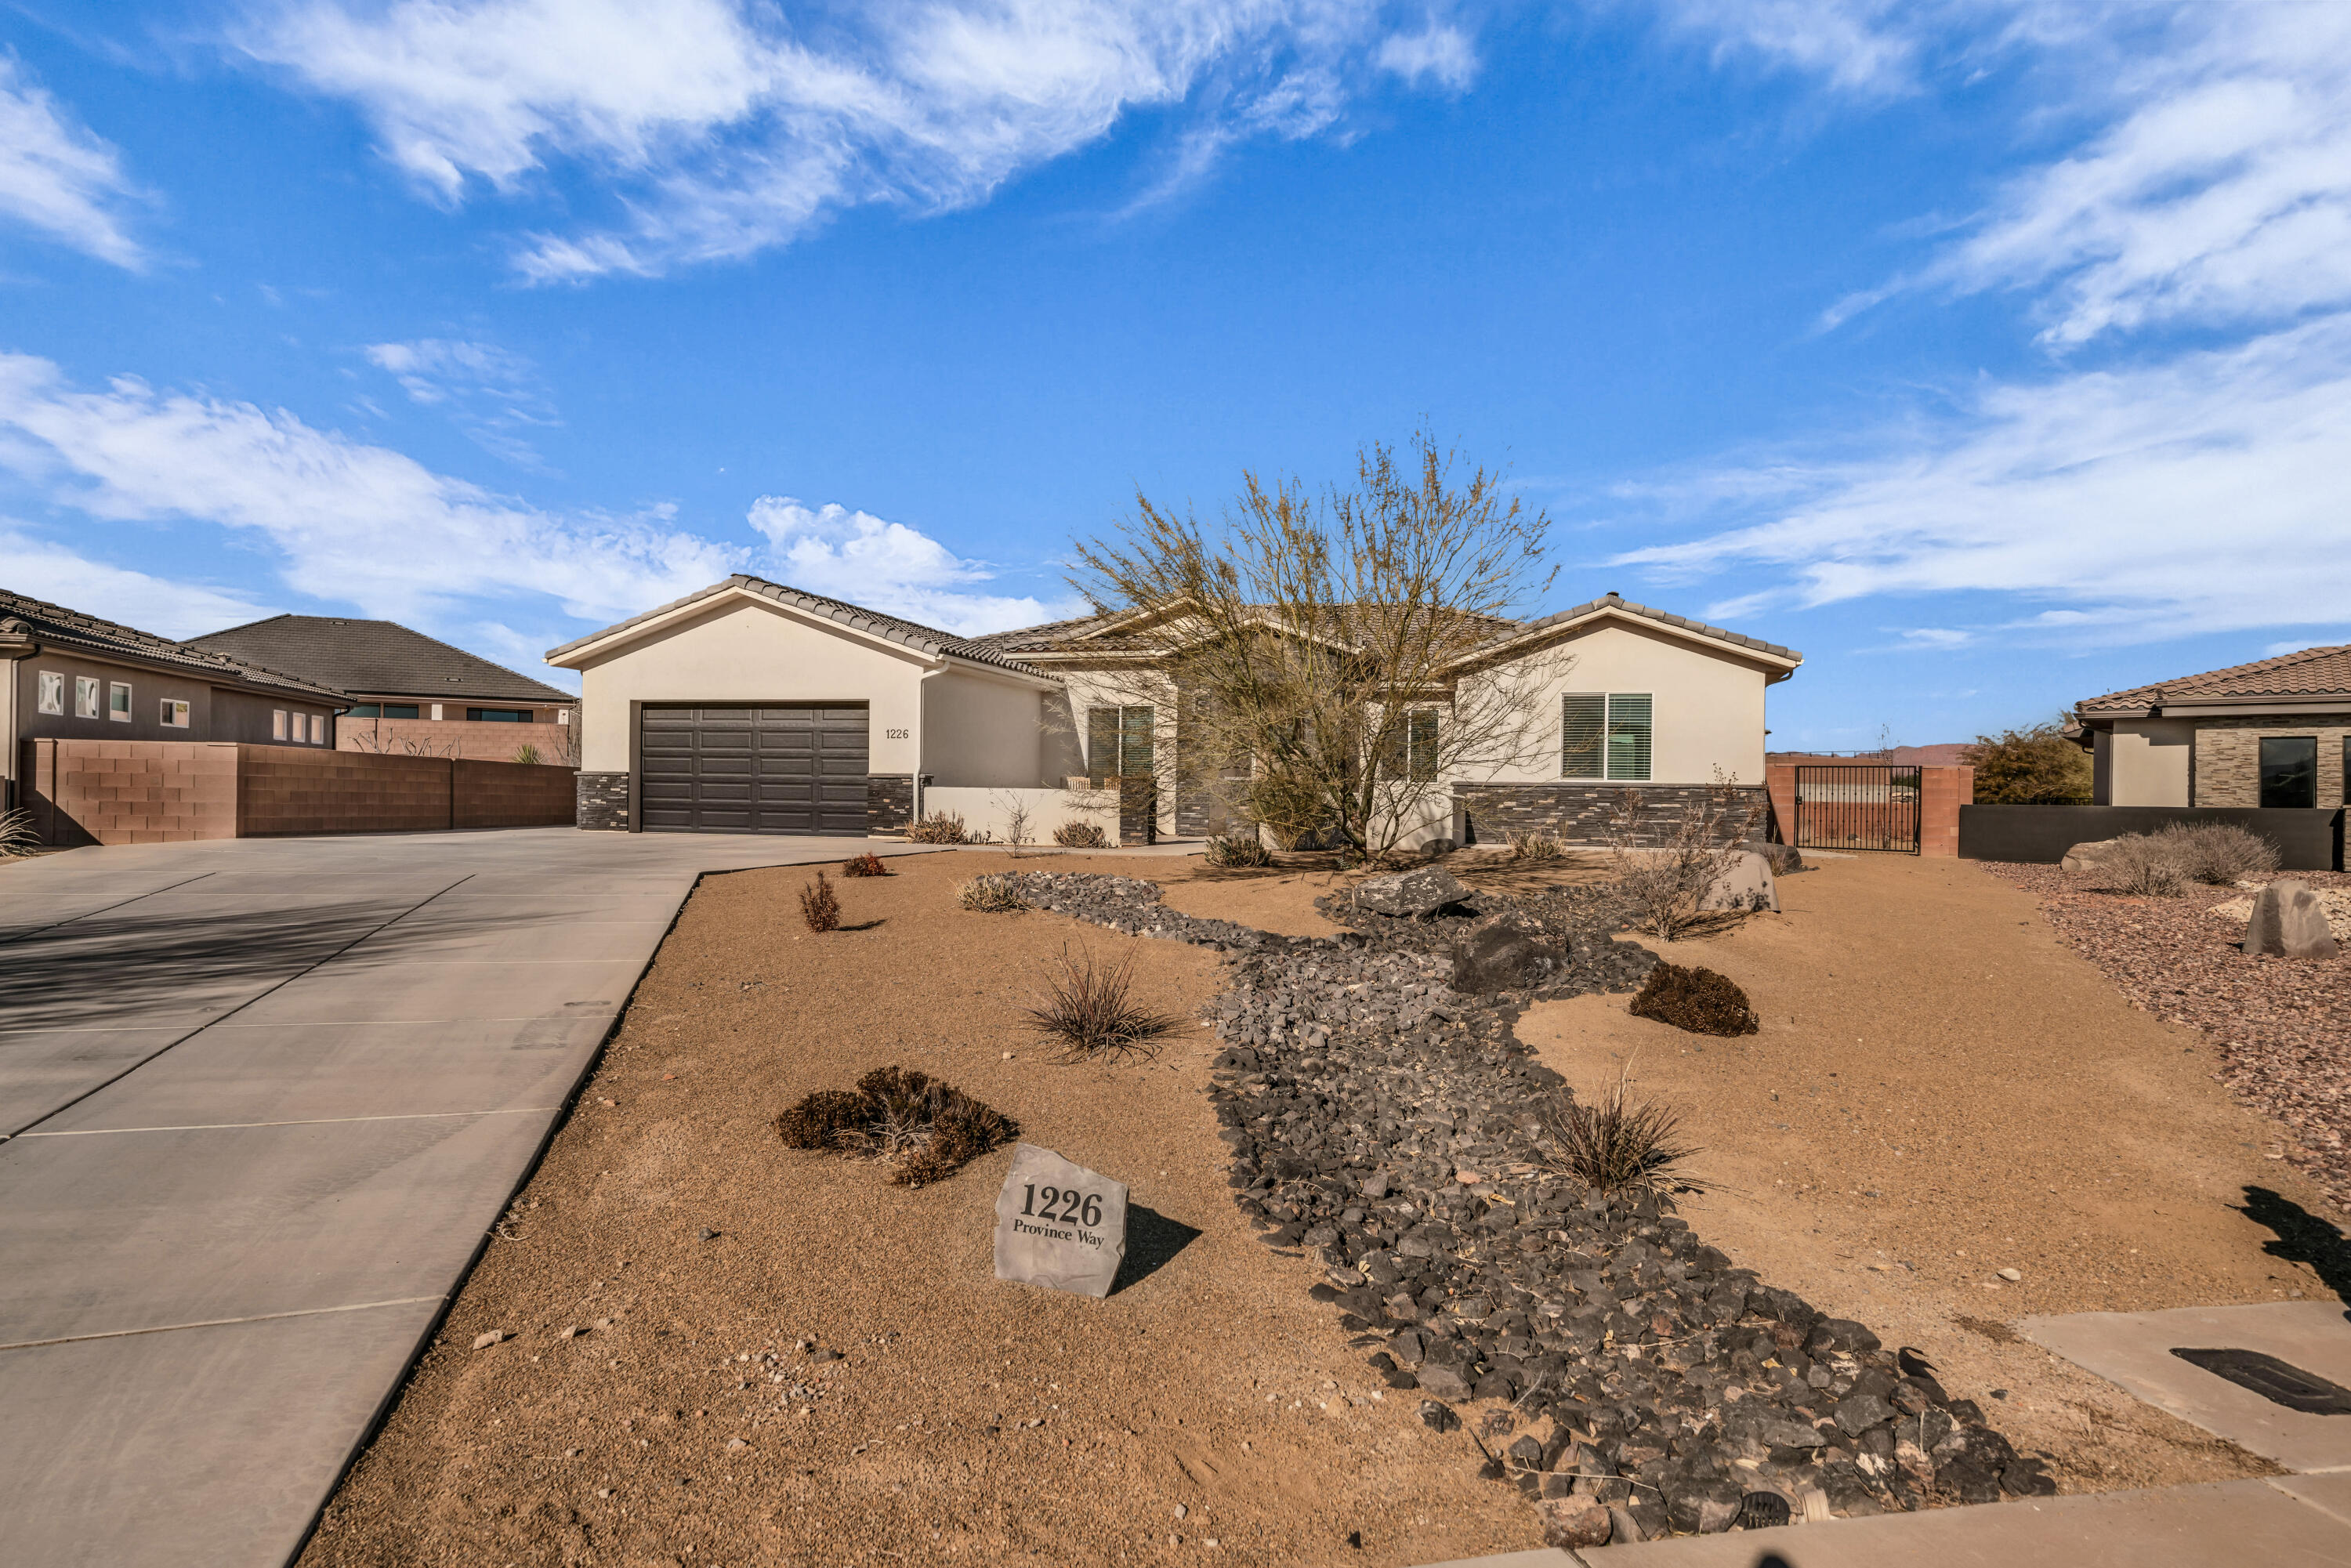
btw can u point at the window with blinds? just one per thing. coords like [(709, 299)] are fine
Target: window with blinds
[(1409, 749), (1118, 742), (1605, 735)]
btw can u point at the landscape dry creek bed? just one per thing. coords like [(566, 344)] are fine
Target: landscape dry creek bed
[(1637, 1384)]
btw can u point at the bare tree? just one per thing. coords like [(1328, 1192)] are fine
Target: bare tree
[(1666, 874), (1335, 660)]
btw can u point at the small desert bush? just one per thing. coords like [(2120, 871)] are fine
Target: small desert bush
[(1665, 884), (2142, 866), (990, 896), (2218, 853), (18, 838), (939, 828), (1698, 1001), (1535, 846), (819, 906), (867, 864), (529, 755), (925, 1129), (1080, 836), (1089, 1007), (1619, 1145), (1238, 849)]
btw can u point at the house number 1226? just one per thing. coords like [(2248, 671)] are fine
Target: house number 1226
[(1076, 1207), (894, 734)]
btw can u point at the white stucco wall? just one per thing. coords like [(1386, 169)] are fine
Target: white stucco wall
[(989, 810), (751, 650), (982, 731), (2144, 762), (1706, 707)]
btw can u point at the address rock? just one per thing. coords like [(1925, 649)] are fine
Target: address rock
[(1059, 1224), (1424, 891), (2289, 922)]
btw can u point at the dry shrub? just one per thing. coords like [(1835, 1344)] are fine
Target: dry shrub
[(1089, 1007), (18, 838), (1080, 836), (1666, 883), (2142, 866), (939, 828), (990, 896), (1619, 1145), (1535, 846), (819, 906), (867, 864), (2218, 853), (1696, 1000), (925, 1129), (1238, 849)]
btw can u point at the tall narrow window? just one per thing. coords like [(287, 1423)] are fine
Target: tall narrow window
[(278, 724), (84, 696), (118, 702), (174, 714), (318, 729), (53, 692), (1410, 748), (1118, 742), (2289, 770), (1582, 726), (1628, 736)]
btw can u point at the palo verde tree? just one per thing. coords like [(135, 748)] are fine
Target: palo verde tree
[(1332, 656)]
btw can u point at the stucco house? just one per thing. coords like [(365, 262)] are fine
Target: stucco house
[(73, 676), (753, 707), (2274, 733)]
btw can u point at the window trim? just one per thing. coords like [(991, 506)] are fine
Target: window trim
[(89, 698), (1598, 746), (278, 724), (2261, 770), (318, 729), (1112, 730), (51, 681), (172, 713), (118, 712)]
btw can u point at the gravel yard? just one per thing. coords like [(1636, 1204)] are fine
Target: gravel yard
[(2282, 1027)]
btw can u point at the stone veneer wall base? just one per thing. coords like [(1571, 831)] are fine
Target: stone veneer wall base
[(1578, 812), (603, 803), (889, 804)]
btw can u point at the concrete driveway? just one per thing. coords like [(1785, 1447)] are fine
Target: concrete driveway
[(261, 1101)]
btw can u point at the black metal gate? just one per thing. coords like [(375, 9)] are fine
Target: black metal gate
[(1859, 806)]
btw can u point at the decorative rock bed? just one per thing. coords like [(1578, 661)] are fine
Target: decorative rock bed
[(1385, 1124)]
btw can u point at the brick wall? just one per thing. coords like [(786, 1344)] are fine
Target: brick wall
[(461, 737), (1579, 813), (1941, 792), (154, 792), (2226, 770)]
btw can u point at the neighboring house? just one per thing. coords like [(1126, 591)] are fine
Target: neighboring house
[(753, 707), (410, 692), (71, 676), (2274, 733)]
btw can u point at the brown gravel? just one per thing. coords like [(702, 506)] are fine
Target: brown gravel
[(2282, 1026), (970, 1420)]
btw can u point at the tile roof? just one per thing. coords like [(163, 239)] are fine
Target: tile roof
[(70, 628), (912, 635), (375, 658), (2310, 673)]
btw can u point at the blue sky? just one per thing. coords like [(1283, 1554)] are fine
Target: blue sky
[(1993, 354)]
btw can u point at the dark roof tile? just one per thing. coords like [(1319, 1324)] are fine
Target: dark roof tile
[(71, 628), (376, 658)]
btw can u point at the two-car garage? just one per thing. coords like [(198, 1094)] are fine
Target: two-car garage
[(797, 769)]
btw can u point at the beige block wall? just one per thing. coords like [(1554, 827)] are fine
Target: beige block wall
[(454, 737), (750, 651), (982, 731), (2228, 756)]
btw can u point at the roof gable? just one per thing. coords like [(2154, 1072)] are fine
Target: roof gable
[(376, 658)]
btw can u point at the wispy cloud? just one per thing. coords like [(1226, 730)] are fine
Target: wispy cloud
[(724, 129), (1439, 52), (494, 395), (58, 178), (169, 607), (887, 566)]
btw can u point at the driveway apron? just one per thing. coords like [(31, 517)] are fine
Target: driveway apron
[(260, 1103)]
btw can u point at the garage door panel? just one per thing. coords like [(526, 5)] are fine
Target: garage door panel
[(782, 769)]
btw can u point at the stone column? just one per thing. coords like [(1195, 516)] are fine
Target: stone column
[(603, 801)]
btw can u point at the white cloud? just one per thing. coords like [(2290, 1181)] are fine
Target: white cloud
[(886, 565), (494, 395), (2202, 494), (58, 177), (724, 128), (175, 607), (1439, 52), (1865, 46)]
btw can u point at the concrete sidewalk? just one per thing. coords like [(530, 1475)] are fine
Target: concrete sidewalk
[(261, 1099)]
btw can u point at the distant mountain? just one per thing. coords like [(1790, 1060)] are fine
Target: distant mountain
[(1947, 754)]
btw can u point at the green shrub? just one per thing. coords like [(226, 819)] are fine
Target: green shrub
[(2033, 767)]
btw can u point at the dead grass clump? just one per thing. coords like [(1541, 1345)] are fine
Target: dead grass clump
[(990, 896), (2218, 853), (17, 839), (1696, 1000), (1238, 849), (2142, 866), (819, 906), (1080, 836), (1089, 1007), (867, 864), (925, 1129), (1535, 846), (939, 828), (1619, 1145)]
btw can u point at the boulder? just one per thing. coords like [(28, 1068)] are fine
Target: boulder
[(1784, 858), (1569, 1523), (2289, 922), (1505, 952), (1745, 883), (1422, 890), (2083, 856)]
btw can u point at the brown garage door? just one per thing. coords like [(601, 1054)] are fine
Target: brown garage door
[(752, 769)]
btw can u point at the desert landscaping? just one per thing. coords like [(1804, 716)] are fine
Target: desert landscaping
[(1369, 1310)]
